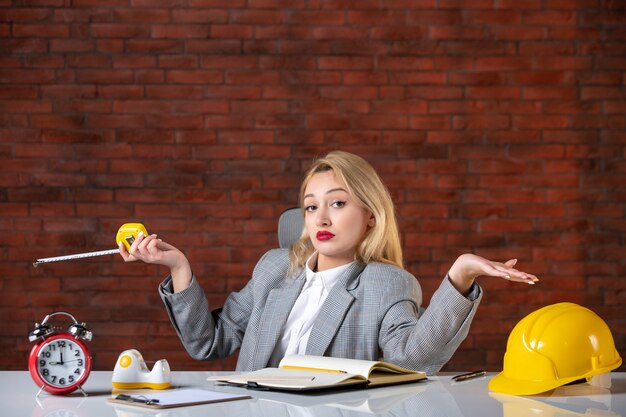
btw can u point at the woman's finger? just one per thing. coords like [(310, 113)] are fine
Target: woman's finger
[(125, 255), (510, 263), (519, 276), (495, 271), (133, 248), (152, 247)]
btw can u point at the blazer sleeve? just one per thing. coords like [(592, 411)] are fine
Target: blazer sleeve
[(425, 339), (217, 334), (208, 334)]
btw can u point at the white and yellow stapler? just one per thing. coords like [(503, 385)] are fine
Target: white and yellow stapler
[(131, 372)]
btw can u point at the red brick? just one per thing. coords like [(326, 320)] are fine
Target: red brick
[(105, 76), (141, 106), (14, 209), (161, 151), (258, 16), (228, 122), (546, 151), (259, 106), (71, 45), (212, 46), (154, 46), (289, 92), (206, 16), (174, 122), (385, 122), (134, 61), (119, 30), (348, 93), (232, 31), (178, 61), (505, 225), (57, 121), (143, 15), (74, 91), (26, 76), (284, 121), (244, 137), (353, 47), (345, 63), (42, 31), (26, 14), (289, 62), (481, 122), (254, 78), (200, 106), (74, 136), (194, 77), (187, 31), (53, 61), (327, 122)]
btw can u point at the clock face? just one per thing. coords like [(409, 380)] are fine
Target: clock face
[(61, 363)]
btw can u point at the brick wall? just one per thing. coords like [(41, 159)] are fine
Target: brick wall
[(498, 125)]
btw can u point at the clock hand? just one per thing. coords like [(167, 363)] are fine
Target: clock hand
[(61, 358)]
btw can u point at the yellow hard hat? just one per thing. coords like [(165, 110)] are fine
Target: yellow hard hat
[(554, 346)]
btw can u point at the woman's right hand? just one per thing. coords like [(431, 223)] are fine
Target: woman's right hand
[(153, 250)]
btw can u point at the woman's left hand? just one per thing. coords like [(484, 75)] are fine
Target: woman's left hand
[(468, 267)]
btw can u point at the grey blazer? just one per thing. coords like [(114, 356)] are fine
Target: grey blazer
[(373, 312)]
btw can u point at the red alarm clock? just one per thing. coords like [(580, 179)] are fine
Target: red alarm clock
[(60, 362)]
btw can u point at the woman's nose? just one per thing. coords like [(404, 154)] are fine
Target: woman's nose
[(322, 217)]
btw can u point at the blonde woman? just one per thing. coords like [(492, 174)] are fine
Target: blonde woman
[(340, 290)]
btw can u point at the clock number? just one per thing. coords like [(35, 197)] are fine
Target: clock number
[(77, 371), (77, 352), (70, 378), (45, 372), (54, 378), (80, 362), (46, 355), (42, 363), (61, 344), (62, 381)]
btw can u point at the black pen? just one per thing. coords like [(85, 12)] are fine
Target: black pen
[(469, 375), (139, 399)]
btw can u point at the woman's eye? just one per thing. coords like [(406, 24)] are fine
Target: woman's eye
[(310, 208), (338, 204)]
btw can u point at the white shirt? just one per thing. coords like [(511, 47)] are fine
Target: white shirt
[(298, 327)]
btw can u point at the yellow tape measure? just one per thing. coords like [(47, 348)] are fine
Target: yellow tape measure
[(126, 235)]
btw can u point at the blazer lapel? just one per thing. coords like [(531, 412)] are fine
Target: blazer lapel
[(279, 303), (333, 311)]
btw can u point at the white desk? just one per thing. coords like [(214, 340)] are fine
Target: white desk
[(436, 397)]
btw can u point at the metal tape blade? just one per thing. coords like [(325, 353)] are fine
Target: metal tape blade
[(75, 256)]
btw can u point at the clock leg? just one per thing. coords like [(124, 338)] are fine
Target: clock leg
[(80, 388), (40, 390)]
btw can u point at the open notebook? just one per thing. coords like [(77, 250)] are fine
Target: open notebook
[(306, 372)]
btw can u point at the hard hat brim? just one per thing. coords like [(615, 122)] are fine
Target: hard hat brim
[(500, 383), (504, 385)]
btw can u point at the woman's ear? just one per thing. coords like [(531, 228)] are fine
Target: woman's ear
[(372, 220)]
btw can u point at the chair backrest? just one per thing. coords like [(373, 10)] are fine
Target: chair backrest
[(290, 225)]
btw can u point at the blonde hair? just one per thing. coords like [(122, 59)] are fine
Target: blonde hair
[(382, 241)]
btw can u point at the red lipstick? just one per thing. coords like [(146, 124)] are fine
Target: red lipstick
[(324, 235)]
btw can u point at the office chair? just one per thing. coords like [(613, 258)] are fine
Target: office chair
[(290, 225)]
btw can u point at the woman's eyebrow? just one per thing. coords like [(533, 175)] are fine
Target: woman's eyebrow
[(328, 192)]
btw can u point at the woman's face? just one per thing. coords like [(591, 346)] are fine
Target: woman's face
[(335, 222)]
